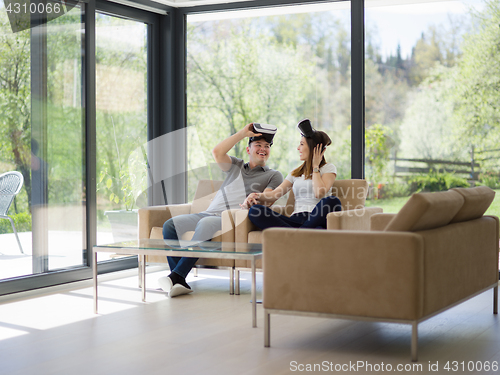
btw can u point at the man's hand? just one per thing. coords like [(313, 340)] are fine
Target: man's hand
[(220, 151), (248, 131), (253, 198)]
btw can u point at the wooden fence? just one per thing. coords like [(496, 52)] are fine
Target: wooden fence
[(471, 169)]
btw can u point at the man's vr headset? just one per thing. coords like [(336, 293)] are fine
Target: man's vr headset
[(267, 131)]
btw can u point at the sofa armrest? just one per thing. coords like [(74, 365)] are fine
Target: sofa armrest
[(155, 216), (358, 219), (243, 226), (353, 273), (379, 222), (228, 224)]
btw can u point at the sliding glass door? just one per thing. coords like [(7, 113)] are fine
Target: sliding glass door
[(50, 136), (121, 126), (42, 137)]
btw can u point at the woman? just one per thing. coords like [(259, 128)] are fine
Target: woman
[(311, 183)]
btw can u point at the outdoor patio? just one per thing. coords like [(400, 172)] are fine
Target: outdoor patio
[(65, 250)]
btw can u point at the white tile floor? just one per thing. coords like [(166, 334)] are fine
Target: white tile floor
[(210, 332)]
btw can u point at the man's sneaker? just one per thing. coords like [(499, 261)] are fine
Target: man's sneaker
[(165, 284), (179, 289)]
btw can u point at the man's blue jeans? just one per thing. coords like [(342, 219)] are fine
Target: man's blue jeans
[(204, 226)]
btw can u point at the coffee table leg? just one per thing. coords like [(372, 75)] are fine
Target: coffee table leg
[(94, 277), (231, 281), (254, 296), (142, 261), (237, 281)]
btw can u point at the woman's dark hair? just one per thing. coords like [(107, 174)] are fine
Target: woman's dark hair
[(318, 137)]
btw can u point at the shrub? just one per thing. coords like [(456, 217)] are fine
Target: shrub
[(490, 179), (22, 221), (393, 190), (436, 181)]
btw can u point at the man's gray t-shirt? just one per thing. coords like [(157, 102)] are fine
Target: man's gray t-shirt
[(240, 182)]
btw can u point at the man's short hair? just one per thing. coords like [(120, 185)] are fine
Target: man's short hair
[(259, 138), (266, 132)]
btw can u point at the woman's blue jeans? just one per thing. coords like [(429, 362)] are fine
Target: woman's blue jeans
[(264, 217)]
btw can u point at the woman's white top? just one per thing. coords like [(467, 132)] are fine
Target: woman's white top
[(305, 201)]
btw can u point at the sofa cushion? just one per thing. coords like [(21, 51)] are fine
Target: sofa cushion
[(255, 236), (427, 211), (156, 233), (477, 201), (352, 193), (202, 203), (205, 193)]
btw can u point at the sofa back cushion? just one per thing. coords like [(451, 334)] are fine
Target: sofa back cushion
[(477, 201), (427, 211), (205, 192), (352, 194)]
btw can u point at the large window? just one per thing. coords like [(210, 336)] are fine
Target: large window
[(49, 134), (431, 98), (274, 66), (42, 137), (121, 103)]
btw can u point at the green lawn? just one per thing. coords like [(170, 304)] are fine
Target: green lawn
[(394, 205)]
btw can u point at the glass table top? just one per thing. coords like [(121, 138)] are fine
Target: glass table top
[(182, 245)]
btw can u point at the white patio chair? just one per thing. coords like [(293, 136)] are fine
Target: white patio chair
[(10, 185)]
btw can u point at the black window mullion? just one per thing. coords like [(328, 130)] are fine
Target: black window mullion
[(357, 89), (89, 105)]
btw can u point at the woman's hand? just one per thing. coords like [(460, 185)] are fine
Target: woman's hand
[(253, 198), (318, 153)]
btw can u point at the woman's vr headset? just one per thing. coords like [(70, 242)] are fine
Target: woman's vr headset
[(267, 131), (306, 128), (308, 131)]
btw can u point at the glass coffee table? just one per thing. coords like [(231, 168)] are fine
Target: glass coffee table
[(191, 249)]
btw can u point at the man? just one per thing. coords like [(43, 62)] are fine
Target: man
[(241, 180)]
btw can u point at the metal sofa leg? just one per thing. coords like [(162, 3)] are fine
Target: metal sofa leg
[(15, 233), (237, 281), (495, 300), (195, 272), (414, 342), (267, 329)]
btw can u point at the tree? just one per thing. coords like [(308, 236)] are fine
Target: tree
[(378, 145), (476, 91), (237, 75), (425, 130), (440, 44), (15, 108)]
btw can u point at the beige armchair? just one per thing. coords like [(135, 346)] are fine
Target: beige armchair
[(151, 220), (354, 216)]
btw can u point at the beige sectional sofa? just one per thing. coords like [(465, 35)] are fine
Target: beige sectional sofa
[(438, 251), (354, 216), (236, 227)]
